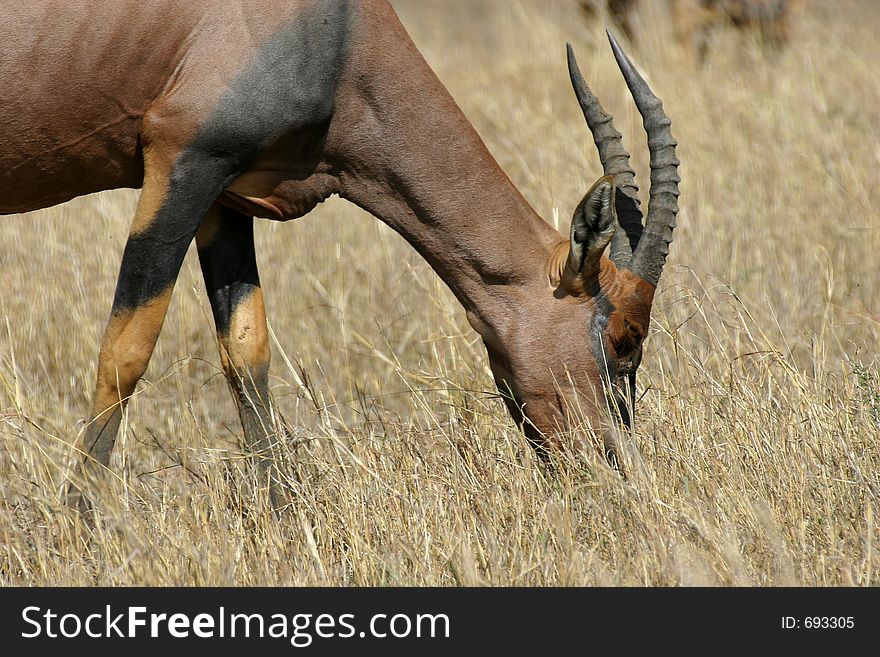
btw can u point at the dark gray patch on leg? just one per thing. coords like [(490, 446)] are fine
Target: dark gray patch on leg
[(287, 89)]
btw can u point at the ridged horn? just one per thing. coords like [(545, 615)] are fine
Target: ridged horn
[(653, 247), (615, 161)]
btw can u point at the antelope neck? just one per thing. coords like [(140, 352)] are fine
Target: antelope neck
[(411, 158)]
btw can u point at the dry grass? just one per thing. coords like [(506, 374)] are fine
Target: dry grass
[(757, 431)]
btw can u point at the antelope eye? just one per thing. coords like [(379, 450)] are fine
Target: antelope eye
[(626, 340)]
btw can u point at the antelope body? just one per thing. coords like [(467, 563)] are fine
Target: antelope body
[(620, 11), (694, 21), (224, 111)]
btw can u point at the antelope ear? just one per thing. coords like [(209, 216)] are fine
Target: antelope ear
[(592, 226)]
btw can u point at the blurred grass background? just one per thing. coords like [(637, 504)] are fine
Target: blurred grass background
[(758, 424)]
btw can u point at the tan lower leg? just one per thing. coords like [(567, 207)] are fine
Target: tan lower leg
[(244, 352), (128, 343)]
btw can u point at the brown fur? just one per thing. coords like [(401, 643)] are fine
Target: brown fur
[(396, 144)]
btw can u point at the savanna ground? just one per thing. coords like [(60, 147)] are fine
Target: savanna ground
[(755, 457)]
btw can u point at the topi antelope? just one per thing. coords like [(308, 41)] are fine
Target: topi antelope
[(694, 21), (224, 111), (620, 11)]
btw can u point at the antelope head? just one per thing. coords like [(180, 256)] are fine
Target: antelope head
[(599, 313)]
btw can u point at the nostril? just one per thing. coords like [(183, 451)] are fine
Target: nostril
[(626, 366)]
